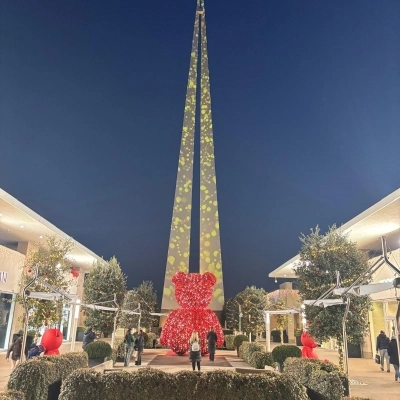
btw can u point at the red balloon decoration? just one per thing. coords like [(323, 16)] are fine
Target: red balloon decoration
[(193, 293), (51, 341)]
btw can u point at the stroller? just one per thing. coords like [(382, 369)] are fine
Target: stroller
[(35, 351)]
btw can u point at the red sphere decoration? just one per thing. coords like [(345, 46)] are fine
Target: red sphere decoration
[(193, 293), (51, 341)]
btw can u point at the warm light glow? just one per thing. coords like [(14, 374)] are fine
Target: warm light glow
[(179, 243), (21, 226)]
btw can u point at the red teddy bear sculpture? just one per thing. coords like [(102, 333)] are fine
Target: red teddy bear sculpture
[(309, 345), (52, 340), (193, 293)]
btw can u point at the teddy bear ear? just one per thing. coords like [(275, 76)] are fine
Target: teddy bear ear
[(178, 277), (210, 278)]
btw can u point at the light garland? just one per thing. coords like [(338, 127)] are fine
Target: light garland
[(193, 293)]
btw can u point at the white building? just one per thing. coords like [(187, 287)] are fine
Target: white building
[(21, 230), (366, 229)]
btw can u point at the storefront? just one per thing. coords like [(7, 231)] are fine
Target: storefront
[(10, 270)]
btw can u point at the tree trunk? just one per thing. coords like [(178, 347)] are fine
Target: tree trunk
[(281, 335), (340, 351)]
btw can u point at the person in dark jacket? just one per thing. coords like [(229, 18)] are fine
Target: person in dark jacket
[(139, 346), (382, 343), (394, 357), (16, 350), (88, 337), (129, 345), (212, 343)]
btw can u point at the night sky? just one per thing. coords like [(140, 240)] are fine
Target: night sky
[(306, 109)]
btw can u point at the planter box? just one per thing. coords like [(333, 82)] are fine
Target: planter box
[(353, 350), (94, 362), (298, 341), (79, 337)]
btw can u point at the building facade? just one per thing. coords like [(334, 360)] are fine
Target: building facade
[(21, 232), (367, 229)]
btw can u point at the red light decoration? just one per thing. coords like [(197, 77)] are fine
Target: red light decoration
[(193, 293), (74, 273)]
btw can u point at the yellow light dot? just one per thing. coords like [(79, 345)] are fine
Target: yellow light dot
[(217, 225), (215, 203), (207, 243), (178, 199), (172, 246), (171, 260), (213, 233), (215, 253), (202, 187)]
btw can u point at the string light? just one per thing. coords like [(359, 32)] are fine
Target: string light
[(193, 293)]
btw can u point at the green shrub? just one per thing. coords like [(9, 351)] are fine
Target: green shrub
[(281, 353), (80, 329), (83, 384), (357, 398), (322, 379), (149, 342), (12, 395), (239, 339), (98, 349), (227, 331), (229, 342), (34, 377), (259, 359), (298, 332), (154, 384), (247, 349)]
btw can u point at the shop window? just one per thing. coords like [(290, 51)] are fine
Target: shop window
[(6, 310)]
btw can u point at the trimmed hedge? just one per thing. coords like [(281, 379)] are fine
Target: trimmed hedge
[(12, 395), (229, 342), (36, 377), (247, 349), (98, 349), (154, 384), (239, 339), (281, 353), (323, 380), (259, 359)]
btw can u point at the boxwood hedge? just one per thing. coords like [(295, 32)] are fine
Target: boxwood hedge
[(43, 375), (323, 380), (12, 395), (154, 384)]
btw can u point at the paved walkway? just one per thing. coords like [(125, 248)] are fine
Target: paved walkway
[(370, 381)]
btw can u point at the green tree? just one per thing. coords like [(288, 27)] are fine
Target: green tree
[(104, 281), (55, 269), (320, 257), (281, 319), (252, 302), (146, 296)]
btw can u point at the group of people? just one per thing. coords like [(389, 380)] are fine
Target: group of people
[(195, 348), (133, 347), (388, 351)]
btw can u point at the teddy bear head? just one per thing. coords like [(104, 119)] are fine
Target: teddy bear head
[(194, 290), (307, 340)]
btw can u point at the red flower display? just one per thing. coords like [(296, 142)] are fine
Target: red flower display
[(193, 293)]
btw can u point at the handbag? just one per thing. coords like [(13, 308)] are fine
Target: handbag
[(377, 358)]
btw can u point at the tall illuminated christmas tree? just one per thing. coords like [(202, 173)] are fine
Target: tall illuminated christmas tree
[(179, 243)]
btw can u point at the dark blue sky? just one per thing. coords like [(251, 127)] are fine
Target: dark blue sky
[(306, 107)]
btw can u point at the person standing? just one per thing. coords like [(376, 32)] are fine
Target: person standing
[(139, 346), (394, 357), (129, 341), (88, 337), (212, 343), (382, 343), (16, 350), (194, 350)]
